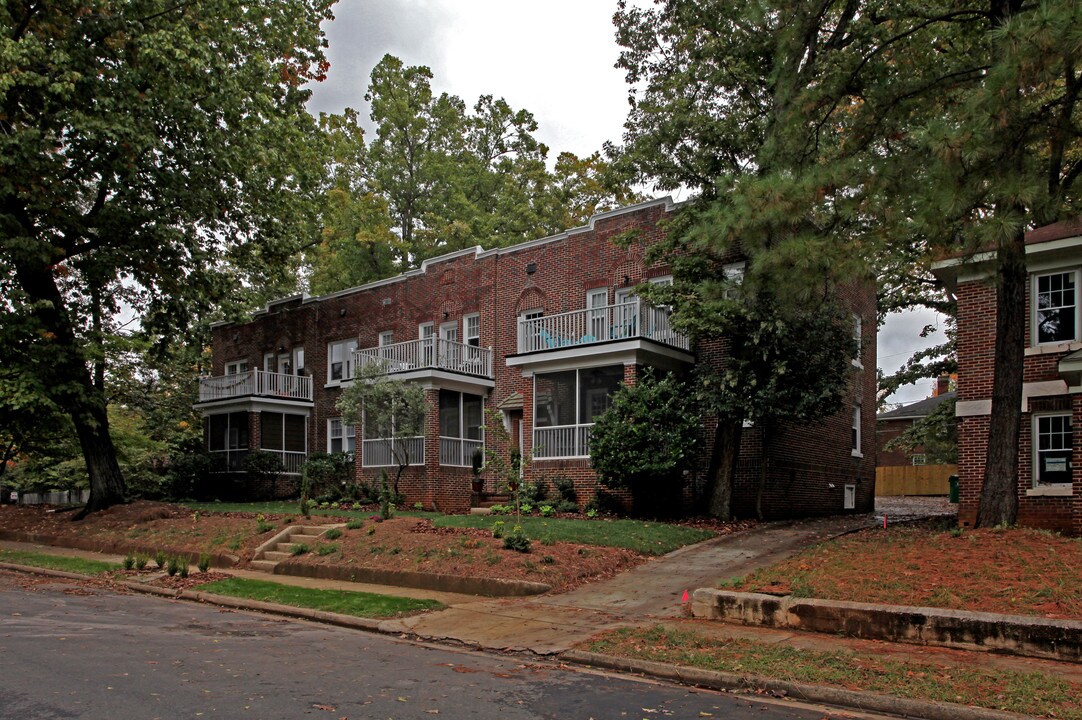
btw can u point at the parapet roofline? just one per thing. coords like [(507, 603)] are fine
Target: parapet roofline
[(476, 251), (1048, 238)]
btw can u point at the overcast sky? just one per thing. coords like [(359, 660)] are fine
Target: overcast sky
[(554, 59)]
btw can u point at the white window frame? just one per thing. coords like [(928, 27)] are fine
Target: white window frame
[(857, 436), (471, 336), (858, 334), (386, 338), (918, 459), (347, 345), (425, 333), (236, 367), (733, 273), (1034, 281), (270, 362), (346, 433), (1036, 424)]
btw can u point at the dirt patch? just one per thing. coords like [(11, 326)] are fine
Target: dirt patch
[(1019, 572), (411, 544)]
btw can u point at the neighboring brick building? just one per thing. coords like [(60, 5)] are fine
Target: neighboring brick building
[(892, 424), (1049, 484), (540, 333)]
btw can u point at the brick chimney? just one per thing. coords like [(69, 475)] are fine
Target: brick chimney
[(942, 385)]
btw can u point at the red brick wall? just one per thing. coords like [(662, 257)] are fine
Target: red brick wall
[(498, 286), (976, 347)]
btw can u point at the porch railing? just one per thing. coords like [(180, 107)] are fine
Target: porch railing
[(258, 383), (459, 451), (387, 451), (434, 353), (561, 441), (626, 321), (233, 460)]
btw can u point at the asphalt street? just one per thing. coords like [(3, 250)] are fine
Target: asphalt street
[(70, 651)]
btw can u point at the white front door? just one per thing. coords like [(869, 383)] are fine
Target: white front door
[(597, 301), (448, 352), (626, 314)]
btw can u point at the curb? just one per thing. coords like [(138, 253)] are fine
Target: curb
[(710, 679), (852, 699)]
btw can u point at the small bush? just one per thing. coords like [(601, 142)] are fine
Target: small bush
[(141, 561), (547, 511), (355, 524), (299, 549), (326, 549), (565, 487), (160, 559), (517, 540), (183, 568), (172, 565), (261, 525), (333, 534), (526, 509), (129, 562), (591, 513), (418, 506), (204, 562), (501, 510), (567, 506), (497, 529)]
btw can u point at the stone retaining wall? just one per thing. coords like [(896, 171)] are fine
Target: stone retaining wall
[(1016, 634)]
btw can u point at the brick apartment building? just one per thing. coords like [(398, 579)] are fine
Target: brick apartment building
[(540, 333), (1049, 484)]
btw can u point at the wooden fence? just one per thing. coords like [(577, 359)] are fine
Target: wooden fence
[(914, 479)]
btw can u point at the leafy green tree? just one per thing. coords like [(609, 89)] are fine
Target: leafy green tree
[(152, 156), (387, 408), (646, 440), (936, 434)]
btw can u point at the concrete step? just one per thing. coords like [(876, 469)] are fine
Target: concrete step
[(480, 511), (276, 556), (308, 540), (263, 565)]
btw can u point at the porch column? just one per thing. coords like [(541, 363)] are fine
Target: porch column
[(428, 490)]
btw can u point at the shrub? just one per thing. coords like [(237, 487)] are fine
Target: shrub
[(565, 487), (160, 559), (182, 569), (172, 565), (141, 561), (517, 540), (299, 549), (645, 439), (330, 475), (326, 549), (526, 508), (261, 525), (333, 534), (386, 497), (129, 562), (204, 562), (567, 506), (418, 506), (535, 493), (355, 524), (497, 529), (501, 510), (263, 470), (591, 513), (547, 511)]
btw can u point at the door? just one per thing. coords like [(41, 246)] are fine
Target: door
[(626, 314), (449, 351), (598, 325), (424, 334)]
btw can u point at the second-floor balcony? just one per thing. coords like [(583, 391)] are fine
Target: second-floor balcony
[(256, 383), (428, 354), (632, 320)]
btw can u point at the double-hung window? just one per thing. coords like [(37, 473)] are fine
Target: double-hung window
[(341, 437), (471, 329), (340, 360), (236, 367), (856, 451), (1055, 307), (1052, 441)]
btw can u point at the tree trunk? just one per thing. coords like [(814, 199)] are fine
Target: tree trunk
[(721, 473), (106, 480), (999, 494), (71, 388)]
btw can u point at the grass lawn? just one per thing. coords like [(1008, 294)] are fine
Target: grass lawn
[(345, 602), (1032, 694), (650, 538), (57, 562), (1012, 571)]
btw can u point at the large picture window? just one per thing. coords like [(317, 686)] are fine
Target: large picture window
[(1056, 307), (566, 405), (1053, 438)]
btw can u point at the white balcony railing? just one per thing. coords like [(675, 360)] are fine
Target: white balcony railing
[(562, 441), (429, 353), (258, 383), (626, 321), (233, 460), (388, 451), (459, 451)]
